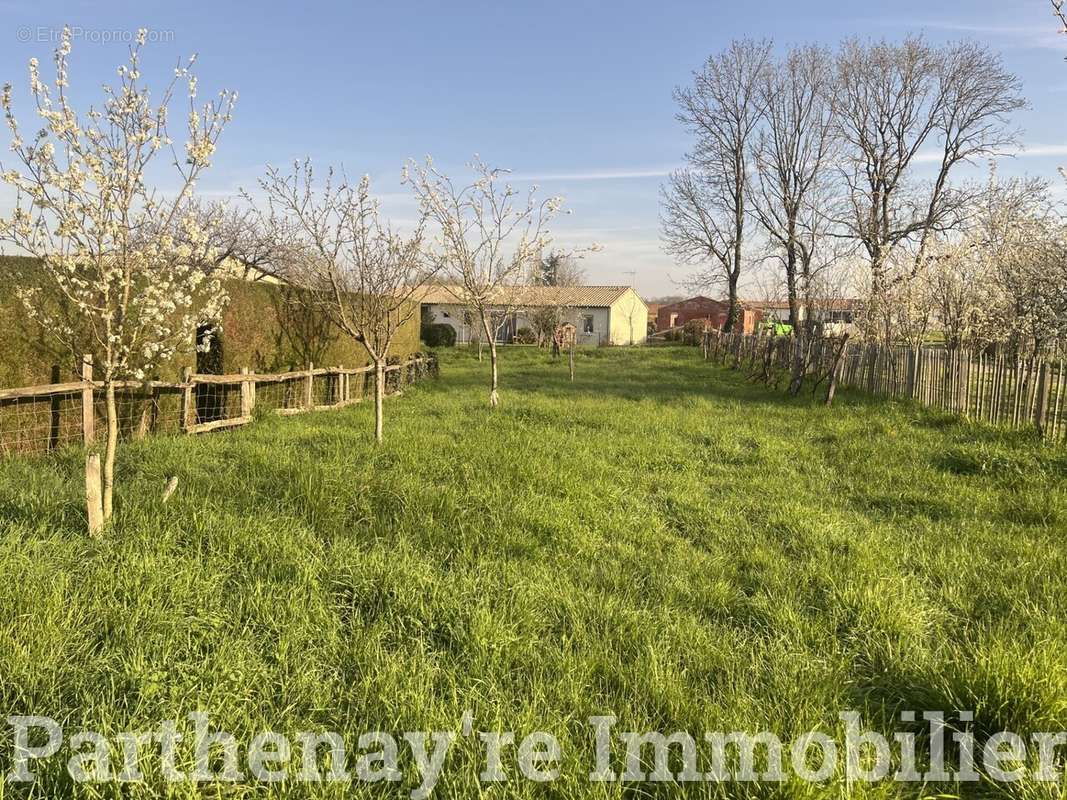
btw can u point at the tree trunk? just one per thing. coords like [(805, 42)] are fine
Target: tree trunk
[(800, 357), (379, 398), (835, 370), (108, 473), (570, 358), (734, 310), (93, 502), (791, 287), (494, 398)]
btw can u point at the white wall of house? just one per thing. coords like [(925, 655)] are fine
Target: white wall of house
[(451, 315), (594, 324), (628, 319)]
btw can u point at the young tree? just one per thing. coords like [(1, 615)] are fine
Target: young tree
[(366, 275), (897, 105), (84, 208), (488, 234), (705, 207), (558, 268)]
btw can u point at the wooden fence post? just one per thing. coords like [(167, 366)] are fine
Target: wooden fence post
[(248, 394), (93, 502), (309, 388), (54, 415), (187, 399), (835, 371), (1041, 414), (88, 411)]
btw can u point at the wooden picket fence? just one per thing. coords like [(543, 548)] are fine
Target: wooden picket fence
[(992, 387), (36, 419)]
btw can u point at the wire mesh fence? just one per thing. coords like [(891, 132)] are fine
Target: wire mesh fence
[(39, 419), (995, 386)]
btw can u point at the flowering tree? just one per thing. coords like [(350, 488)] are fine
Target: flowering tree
[(85, 210), (489, 234), (894, 103), (961, 280), (364, 274), (1023, 232)]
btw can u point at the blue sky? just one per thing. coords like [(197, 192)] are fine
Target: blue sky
[(573, 95)]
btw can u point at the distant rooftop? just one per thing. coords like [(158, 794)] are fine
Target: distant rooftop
[(533, 296)]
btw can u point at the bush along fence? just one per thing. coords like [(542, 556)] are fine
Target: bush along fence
[(992, 387), (37, 419)]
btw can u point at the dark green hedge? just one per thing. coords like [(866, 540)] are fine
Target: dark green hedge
[(437, 334), (265, 327)]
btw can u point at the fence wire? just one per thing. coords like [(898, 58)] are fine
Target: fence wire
[(48, 422)]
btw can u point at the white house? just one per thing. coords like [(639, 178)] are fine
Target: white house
[(604, 314)]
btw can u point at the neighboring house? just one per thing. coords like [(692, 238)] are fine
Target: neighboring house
[(653, 313), (604, 314), (675, 315), (837, 312)]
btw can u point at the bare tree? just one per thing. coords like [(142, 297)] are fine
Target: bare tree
[(557, 268), (898, 105), (365, 274), (792, 156), (705, 207), (243, 244), (488, 235)]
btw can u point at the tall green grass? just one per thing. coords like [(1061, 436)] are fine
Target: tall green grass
[(658, 540)]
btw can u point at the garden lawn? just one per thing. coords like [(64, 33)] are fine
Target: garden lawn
[(658, 540)]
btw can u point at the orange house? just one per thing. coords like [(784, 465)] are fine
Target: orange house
[(675, 315)]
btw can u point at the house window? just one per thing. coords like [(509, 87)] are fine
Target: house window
[(587, 323)]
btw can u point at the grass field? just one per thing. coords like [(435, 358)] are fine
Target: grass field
[(658, 540)]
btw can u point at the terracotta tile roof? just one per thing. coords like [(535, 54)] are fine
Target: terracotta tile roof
[(700, 301), (533, 296)]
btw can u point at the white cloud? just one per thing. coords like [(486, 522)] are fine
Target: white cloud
[(1026, 151), (596, 175), (968, 27), (1042, 151), (1043, 36)]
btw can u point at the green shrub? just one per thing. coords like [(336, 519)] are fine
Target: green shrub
[(437, 334), (693, 331), (525, 336)]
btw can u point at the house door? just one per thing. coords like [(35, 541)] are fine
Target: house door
[(210, 397)]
